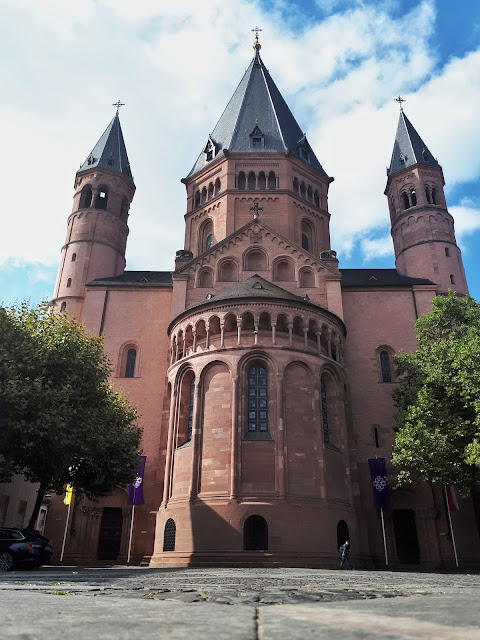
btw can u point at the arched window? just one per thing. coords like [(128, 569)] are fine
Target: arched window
[(69, 282), (210, 190), (323, 393), (257, 399), (307, 235), (209, 241), (385, 366), (305, 243), (434, 196), (63, 306), (452, 279), (427, 193), (303, 190), (295, 186), (130, 363), (447, 252), (255, 534), (309, 194), (197, 198), (217, 186), (272, 180), (205, 236), (316, 198), (262, 180), (86, 197), (190, 409), (169, 535), (204, 194), (74, 257), (406, 203), (413, 196), (241, 180), (252, 181), (101, 200)]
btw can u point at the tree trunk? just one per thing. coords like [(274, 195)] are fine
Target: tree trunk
[(36, 509)]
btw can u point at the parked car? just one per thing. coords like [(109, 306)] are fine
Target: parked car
[(24, 548)]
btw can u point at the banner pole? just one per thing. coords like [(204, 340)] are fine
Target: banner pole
[(65, 532), (451, 528), (131, 533), (384, 537)]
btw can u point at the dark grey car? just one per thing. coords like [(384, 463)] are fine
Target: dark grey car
[(25, 548)]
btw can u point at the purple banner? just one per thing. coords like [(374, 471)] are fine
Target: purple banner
[(135, 489), (378, 473)]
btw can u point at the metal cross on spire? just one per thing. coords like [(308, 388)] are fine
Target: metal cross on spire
[(256, 44), (118, 104), (400, 100), (256, 208)]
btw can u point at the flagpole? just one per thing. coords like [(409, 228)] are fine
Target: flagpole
[(131, 532), (65, 532), (451, 527), (384, 537)]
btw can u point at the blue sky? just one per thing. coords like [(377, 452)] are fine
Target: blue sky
[(338, 63)]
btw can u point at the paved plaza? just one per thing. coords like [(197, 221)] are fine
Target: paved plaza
[(237, 604)]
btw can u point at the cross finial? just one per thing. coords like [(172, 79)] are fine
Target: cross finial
[(400, 100), (256, 208), (118, 104), (256, 44)]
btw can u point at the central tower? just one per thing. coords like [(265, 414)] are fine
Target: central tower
[(257, 429)]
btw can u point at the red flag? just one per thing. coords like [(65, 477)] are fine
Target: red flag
[(452, 498)]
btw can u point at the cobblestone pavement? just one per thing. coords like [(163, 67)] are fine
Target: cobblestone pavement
[(264, 604)]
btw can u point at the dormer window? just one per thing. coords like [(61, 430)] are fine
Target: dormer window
[(110, 161), (257, 139), (210, 150), (304, 150), (403, 158)]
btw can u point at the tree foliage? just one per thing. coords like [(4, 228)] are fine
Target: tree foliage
[(60, 419), (438, 400)]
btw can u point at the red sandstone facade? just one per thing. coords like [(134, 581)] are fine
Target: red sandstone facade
[(262, 372)]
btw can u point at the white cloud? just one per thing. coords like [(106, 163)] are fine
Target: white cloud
[(467, 219)]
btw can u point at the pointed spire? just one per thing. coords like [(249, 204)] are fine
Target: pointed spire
[(408, 148), (257, 119), (110, 151)]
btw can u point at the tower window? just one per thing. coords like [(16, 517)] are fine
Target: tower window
[(217, 186), (209, 241), (74, 257), (295, 186), (86, 197), (316, 198), (385, 366), (256, 143), (101, 200), (323, 393), (69, 282), (272, 181), (427, 193), (190, 409), (197, 198), (241, 180), (262, 180), (130, 363), (447, 252), (413, 196), (305, 242), (406, 202), (452, 279), (252, 181), (204, 194), (303, 190), (124, 207), (210, 190), (257, 399), (63, 306), (434, 196)]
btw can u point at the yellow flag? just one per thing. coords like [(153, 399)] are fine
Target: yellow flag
[(68, 494)]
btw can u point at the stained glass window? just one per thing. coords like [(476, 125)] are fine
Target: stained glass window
[(326, 433), (385, 366), (257, 399), (209, 241)]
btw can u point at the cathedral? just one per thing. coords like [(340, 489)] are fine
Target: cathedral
[(262, 371)]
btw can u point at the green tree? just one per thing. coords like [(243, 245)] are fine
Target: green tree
[(438, 400), (60, 419)]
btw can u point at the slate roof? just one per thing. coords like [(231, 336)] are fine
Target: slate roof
[(110, 152), (378, 277), (256, 287), (410, 147), (136, 279), (258, 105)]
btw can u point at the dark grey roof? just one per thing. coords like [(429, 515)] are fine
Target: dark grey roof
[(378, 277), (136, 279), (110, 152), (409, 148), (256, 287), (257, 105)]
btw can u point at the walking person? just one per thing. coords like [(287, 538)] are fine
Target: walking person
[(345, 551)]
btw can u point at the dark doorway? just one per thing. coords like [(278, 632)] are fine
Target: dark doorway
[(406, 537), (342, 533), (255, 534), (110, 533), (169, 535)]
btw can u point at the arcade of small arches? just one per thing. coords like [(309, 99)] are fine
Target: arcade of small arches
[(306, 192), (409, 197), (97, 198), (252, 327), (207, 193)]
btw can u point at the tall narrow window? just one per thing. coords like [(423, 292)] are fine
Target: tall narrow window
[(413, 196), (190, 409), (74, 257), (241, 180), (406, 203), (452, 279), (323, 392), (434, 196), (427, 193), (252, 181), (169, 535), (69, 282), (130, 363), (262, 180), (257, 399), (101, 200), (295, 185), (305, 242), (209, 241), (385, 366), (197, 198), (447, 252), (217, 186), (272, 181)]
